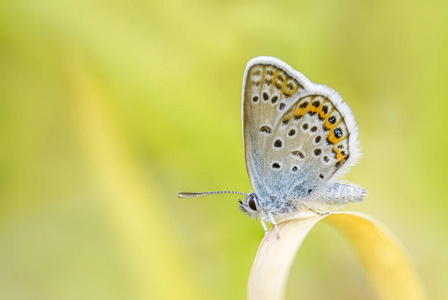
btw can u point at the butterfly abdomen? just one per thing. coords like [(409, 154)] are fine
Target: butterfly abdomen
[(340, 194)]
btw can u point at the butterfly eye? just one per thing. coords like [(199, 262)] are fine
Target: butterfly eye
[(252, 204)]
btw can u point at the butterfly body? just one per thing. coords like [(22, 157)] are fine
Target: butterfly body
[(299, 139)]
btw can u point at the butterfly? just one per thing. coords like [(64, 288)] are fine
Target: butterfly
[(299, 139)]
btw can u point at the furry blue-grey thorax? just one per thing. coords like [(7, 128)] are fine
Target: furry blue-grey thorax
[(255, 207), (332, 195)]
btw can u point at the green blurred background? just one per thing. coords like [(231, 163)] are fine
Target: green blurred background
[(109, 108)]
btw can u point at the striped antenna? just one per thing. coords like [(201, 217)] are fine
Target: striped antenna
[(200, 194)]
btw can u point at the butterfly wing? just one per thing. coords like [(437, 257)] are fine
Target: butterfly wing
[(267, 93), (298, 135)]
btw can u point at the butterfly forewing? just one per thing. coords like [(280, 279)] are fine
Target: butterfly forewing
[(297, 134), (267, 93)]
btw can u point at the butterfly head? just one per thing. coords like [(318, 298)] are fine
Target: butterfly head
[(250, 206)]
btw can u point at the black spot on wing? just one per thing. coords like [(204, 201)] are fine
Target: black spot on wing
[(265, 96), (266, 129), (298, 153)]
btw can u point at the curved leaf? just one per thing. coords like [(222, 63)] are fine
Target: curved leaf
[(387, 266)]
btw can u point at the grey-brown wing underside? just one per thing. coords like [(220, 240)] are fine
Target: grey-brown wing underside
[(297, 135)]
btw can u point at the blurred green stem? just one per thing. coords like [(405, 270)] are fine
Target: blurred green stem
[(129, 202)]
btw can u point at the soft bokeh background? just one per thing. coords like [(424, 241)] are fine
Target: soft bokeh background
[(108, 108)]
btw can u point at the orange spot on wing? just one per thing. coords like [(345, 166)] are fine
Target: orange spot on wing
[(315, 109), (301, 111), (339, 156), (324, 115), (328, 125), (332, 138)]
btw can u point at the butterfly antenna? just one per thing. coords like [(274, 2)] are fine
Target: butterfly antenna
[(200, 194)]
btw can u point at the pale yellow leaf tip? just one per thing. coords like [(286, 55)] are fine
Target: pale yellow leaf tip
[(386, 264)]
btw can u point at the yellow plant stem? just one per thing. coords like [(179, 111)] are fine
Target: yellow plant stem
[(387, 265)]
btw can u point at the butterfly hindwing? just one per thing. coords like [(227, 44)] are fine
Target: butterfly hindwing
[(314, 146), (297, 135)]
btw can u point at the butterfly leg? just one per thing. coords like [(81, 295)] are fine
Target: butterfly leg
[(265, 228), (318, 212), (272, 220)]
